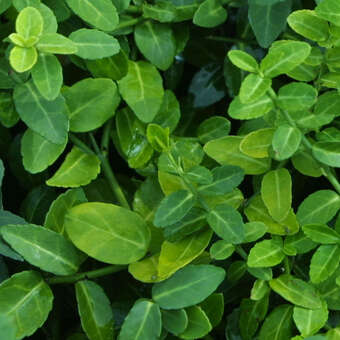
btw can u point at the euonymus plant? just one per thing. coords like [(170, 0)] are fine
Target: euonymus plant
[(169, 169)]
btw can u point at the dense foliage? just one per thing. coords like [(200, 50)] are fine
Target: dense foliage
[(169, 169)]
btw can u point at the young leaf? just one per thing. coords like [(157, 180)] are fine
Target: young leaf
[(174, 207), (187, 287), (29, 23), (158, 137), (213, 128), (108, 232), (175, 321), (276, 192), (91, 102), (33, 243), (94, 44), (156, 42), (243, 60), (95, 310), (256, 143), (78, 168), (209, 14), (146, 270), (329, 10), (227, 223), (102, 14), (142, 323), (253, 88), (142, 89), (221, 250), (23, 59)]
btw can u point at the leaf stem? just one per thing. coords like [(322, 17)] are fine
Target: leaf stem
[(115, 187), (85, 275), (104, 145), (286, 265), (128, 23), (241, 252), (81, 145)]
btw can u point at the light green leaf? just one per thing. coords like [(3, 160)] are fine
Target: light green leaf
[(56, 43), (91, 102), (309, 321), (305, 163), (226, 152), (108, 232), (47, 76), (43, 248), (259, 290), (324, 262), (227, 223), (79, 168), (29, 23), (198, 324), (267, 253), (142, 89), (319, 207), (333, 334), (37, 152), (210, 13), (55, 216), (327, 153), (187, 287), (283, 56), (175, 321), (309, 25), (221, 250), (156, 42), (23, 59), (276, 192), (94, 44), (321, 233), (158, 137), (213, 128), (329, 10), (174, 207), (254, 231), (253, 88), (243, 60), (286, 141), (296, 291), (20, 296), (102, 14), (95, 310), (46, 118), (146, 270), (256, 144)]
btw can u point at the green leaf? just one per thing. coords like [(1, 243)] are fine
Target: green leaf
[(254, 231), (324, 262), (198, 324), (175, 321), (329, 10), (175, 255), (305, 163), (243, 60), (34, 244), (91, 102), (156, 42), (226, 152), (56, 43), (20, 296), (162, 11), (309, 25), (55, 216), (267, 253), (213, 307), (319, 207), (259, 290), (309, 321), (199, 175), (158, 137), (213, 128), (296, 291), (187, 287), (227, 223), (146, 270), (327, 153), (95, 310), (94, 44), (239, 110), (142, 89), (8, 115), (5, 4), (209, 14), (174, 207), (19, 5), (78, 168), (256, 144), (46, 118), (268, 19), (276, 192), (23, 59), (101, 14), (300, 242), (297, 96), (286, 141), (283, 56), (253, 88), (321, 233), (142, 323), (38, 153), (47, 76), (221, 250), (278, 325), (7, 328), (108, 232), (29, 23)]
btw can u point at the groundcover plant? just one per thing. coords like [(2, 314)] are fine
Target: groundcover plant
[(169, 169)]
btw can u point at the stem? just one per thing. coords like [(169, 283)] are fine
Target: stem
[(81, 145), (115, 187), (104, 145), (326, 171), (128, 23), (241, 252), (133, 10), (286, 265), (86, 275)]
